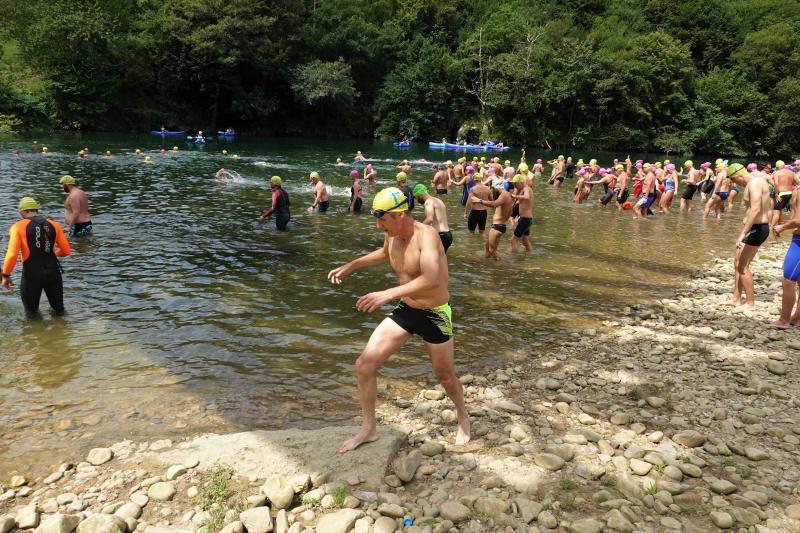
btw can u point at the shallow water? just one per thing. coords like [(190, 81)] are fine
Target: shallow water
[(186, 314)]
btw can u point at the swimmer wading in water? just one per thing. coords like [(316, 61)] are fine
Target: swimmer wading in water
[(416, 255)]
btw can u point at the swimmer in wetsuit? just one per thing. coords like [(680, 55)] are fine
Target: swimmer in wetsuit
[(355, 193), (280, 204), (415, 253), (40, 241), (402, 184), (77, 221), (435, 214)]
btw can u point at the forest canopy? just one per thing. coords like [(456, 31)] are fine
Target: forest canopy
[(710, 76)]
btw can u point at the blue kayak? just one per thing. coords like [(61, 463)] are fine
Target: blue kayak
[(167, 132), (471, 147), (227, 134)]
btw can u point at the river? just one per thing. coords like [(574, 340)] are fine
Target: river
[(186, 314)]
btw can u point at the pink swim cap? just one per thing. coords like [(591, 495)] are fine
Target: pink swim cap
[(470, 168), (369, 167), (354, 174), (435, 166), (538, 160), (670, 167), (751, 167), (638, 164), (492, 170), (602, 172), (582, 172), (706, 165), (616, 161)]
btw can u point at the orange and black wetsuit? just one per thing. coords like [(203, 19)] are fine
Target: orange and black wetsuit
[(40, 240)]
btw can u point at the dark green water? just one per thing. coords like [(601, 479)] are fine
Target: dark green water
[(187, 315)]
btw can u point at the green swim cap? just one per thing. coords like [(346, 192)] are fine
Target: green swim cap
[(419, 189), (390, 200), (28, 204), (275, 180), (67, 180)]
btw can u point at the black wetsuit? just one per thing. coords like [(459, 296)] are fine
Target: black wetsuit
[(358, 203), (407, 192), (282, 215), (569, 170)]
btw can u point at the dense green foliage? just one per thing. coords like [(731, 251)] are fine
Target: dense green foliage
[(676, 75)]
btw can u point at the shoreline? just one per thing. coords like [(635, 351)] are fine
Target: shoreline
[(674, 416)]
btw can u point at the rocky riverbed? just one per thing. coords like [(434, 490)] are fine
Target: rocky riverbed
[(676, 415)]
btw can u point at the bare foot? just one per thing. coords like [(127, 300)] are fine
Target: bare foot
[(751, 307), (362, 437), (734, 303), (779, 325), (462, 437)]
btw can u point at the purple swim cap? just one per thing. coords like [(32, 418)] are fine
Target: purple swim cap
[(354, 173), (751, 167), (470, 168)]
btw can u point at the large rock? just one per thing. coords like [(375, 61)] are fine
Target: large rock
[(616, 521), (391, 510), (103, 523), (454, 511), (279, 491), (549, 461), (384, 524), (405, 467), (129, 510), (7, 523), (293, 451), (28, 517), (689, 438), (722, 520), (163, 491), (490, 506), (99, 456), (723, 486), (586, 525), (59, 523), (256, 520), (234, 527), (528, 510), (338, 522)]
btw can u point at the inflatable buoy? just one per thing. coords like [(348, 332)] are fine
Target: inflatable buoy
[(626, 206)]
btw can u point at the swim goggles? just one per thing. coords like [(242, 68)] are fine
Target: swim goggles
[(378, 213)]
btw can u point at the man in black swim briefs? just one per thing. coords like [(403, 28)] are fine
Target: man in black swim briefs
[(502, 204), (415, 253)]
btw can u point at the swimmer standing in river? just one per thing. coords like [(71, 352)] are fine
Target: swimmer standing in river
[(77, 221), (320, 203), (415, 253), (435, 214), (502, 203)]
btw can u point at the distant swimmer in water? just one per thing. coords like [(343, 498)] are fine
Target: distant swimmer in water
[(174, 149), (339, 162), (280, 204), (77, 221), (223, 176), (435, 214), (404, 166), (355, 193), (108, 154), (40, 242), (370, 174), (415, 253), (162, 152), (320, 203), (45, 151), (359, 156)]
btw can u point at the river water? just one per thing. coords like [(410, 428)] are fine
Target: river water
[(188, 315)]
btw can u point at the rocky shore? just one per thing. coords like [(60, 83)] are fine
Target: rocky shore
[(677, 415)]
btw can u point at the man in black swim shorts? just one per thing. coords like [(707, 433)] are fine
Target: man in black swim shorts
[(502, 204)]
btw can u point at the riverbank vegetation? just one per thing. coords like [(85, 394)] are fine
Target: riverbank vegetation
[(715, 76)]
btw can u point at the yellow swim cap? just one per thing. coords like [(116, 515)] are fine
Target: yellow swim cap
[(390, 200), (147, 159), (401, 176), (44, 148), (666, 161), (235, 156), (358, 152), (496, 160), (138, 151), (561, 158), (619, 168), (338, 159), (224, 152), (736, 170), (569, 159), (67, 180), (522, 167), (718, 162), (580, 162), (779, 164), (275, 180), (462, 159), (508, 162), (108, 152), (518, 179), (647, 166), (688, 163), (448, 163), (592, 162), (483, 159), (174, 148), (314, 175), (658, 164), (28, 204), (405, 161)]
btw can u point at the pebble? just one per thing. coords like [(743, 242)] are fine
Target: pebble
[(776, 367), (175, 471), (549, 461), (99, 456), (256, 520), (756, 454), (639, 467), (723, 486), (431, 448), (689, 438), (162, 491), (17, 481), (721, 520), (279, 492), (454, 511)]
